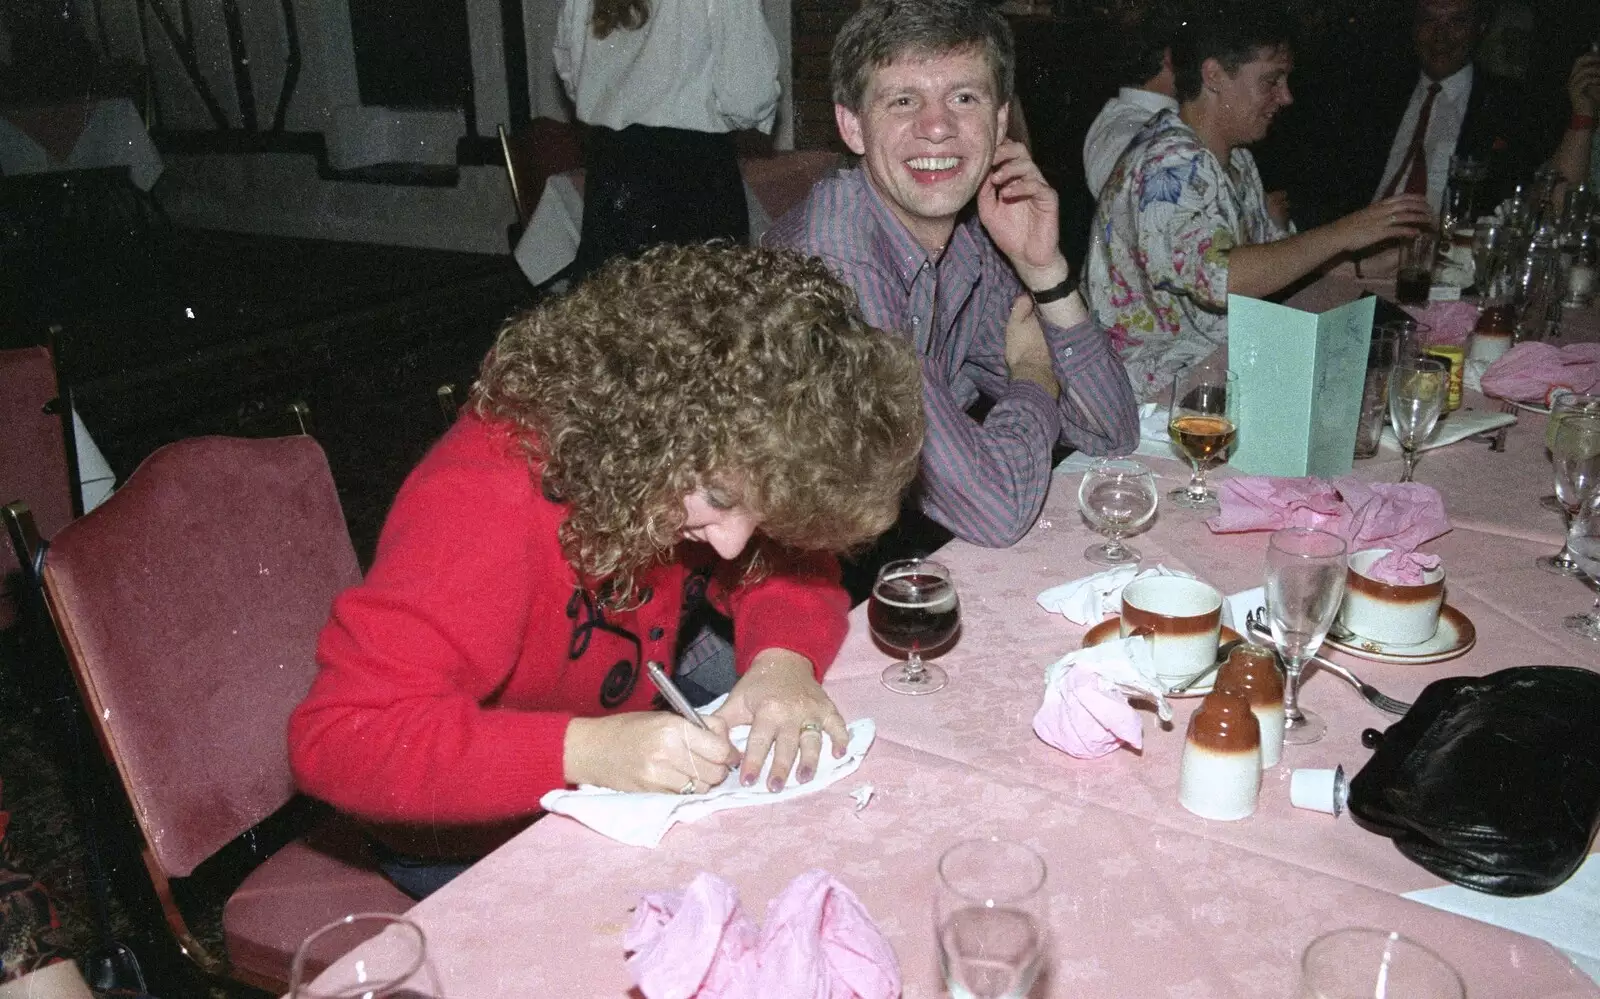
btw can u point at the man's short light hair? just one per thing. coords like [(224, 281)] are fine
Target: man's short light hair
[(884, 30)]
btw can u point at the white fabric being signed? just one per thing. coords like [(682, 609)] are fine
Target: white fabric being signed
[(1461, 425), (1568, 917), (642, 818)]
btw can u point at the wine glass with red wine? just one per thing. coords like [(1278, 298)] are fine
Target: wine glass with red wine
[(1201, 423), (914, 607)]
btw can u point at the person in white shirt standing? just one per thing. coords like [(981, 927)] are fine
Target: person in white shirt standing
[(663, 85), (1123, 115)]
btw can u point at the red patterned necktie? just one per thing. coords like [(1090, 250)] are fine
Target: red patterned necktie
[(1414, 167)]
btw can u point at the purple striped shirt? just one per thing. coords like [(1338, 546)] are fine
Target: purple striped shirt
[(985, 482)]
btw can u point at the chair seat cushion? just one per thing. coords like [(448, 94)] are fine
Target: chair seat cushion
[(313, 881)]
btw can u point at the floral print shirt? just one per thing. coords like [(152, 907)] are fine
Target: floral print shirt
[(1157, 272)]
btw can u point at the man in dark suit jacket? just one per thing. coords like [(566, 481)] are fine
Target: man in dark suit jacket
[(1365, 146)]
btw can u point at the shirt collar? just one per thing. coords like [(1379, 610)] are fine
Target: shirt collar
[(1147, 99), (893, 242), (1455, 88)]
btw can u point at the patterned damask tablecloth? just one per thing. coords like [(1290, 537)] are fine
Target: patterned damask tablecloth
[(1145, 898)]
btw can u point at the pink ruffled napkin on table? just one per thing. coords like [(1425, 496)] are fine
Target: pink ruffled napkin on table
[(1398, 516), (819, 942), (1448, 322), (1529, 372), (1085, 712)]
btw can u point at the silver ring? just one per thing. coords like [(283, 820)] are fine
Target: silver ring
[(811, 726), (1391, 218), (688, 787)]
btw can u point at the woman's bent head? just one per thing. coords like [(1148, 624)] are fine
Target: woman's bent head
[(747, 375)]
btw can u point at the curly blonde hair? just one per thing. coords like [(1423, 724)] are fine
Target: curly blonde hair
[(746, 371)]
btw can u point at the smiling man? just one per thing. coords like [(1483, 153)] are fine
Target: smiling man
[(1182, 220), (949, 235)]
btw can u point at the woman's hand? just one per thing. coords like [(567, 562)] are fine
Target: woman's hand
[(1391, 218), (648, 751), (787, 711)]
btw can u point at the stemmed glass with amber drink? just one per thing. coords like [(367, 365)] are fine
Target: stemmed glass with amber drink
[(914, 608), (1202, 425)]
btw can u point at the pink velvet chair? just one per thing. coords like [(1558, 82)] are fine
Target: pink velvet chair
[(33, 456), (189, 605)]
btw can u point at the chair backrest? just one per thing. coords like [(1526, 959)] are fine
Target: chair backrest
[(533, 152), (33, 458), (189, 605)]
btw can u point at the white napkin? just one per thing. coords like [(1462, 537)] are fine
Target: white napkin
[(641, 818), (1088, 600), (1567, 917), (1461, 425), (1154, 441)]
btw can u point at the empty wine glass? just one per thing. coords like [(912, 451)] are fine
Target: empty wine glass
[(1583, 540), (914, 607), (1417, 388), (1305, 584), (1360, 963), (990, 915), (1117, 496), (394, 952), (1573, 437), (1202, 425)]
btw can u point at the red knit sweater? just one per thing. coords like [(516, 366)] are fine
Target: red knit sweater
[(448, 677)]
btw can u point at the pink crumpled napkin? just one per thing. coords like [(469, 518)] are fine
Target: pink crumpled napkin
[(1083, 720), (1447, 322), (1399, 516), (819, 942), (1529, 372)]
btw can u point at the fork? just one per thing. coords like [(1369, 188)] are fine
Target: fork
[(1254, 623)]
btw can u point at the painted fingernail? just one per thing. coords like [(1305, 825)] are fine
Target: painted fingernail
[(748, 779), (803, 775), (774, 783)]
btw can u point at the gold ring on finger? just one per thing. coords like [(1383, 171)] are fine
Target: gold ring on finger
[(811, 726), (688, 787)]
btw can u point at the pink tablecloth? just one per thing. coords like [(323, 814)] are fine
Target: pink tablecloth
[(1145, 897)]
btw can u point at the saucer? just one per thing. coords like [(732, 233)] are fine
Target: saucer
[(1110, 630), (1455, 636)]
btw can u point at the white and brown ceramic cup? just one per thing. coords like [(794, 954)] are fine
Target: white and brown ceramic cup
[(1389, 613), (1180, 617)]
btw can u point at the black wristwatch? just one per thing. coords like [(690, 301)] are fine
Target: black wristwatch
[(1054, 294)]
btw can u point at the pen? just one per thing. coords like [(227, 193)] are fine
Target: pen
[(673, 695)]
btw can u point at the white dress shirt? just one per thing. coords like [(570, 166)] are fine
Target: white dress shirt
[(672, 72), (1444, 127), (1114, 127)]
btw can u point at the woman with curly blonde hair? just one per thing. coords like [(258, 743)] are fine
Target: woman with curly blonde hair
[(623, 447)]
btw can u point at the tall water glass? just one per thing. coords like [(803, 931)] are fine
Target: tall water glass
[(1202, 424), (1305, 584), (1375, 964), (1583, 539), (389, 967), (1417, 389), (990, 916), (1573, 436)]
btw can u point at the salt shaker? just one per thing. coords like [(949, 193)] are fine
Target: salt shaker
[(1252, 672), (1220, 775)]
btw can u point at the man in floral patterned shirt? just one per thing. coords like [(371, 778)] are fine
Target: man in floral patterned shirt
[(1182, 221)]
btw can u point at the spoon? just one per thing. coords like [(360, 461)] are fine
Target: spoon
[(1223, 651)]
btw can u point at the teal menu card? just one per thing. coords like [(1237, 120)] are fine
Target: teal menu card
[(1300, 377)]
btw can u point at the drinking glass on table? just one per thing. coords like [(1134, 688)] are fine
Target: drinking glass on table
[(1417, 388), (1414, 278), (989, 912), (1359, 963), (1305, 584), (1202, 425), (389, 970), (914, 607), (1116, 496), (1583, 540), (1573, 436)]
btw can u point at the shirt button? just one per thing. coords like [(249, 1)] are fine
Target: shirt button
[(656, 633), (915, 321), (1067, 353)]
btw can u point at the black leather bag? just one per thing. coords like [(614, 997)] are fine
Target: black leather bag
[(1491, 782)]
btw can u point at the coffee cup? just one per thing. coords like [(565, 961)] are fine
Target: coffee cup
[(1390, 613), (1180, 617)]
